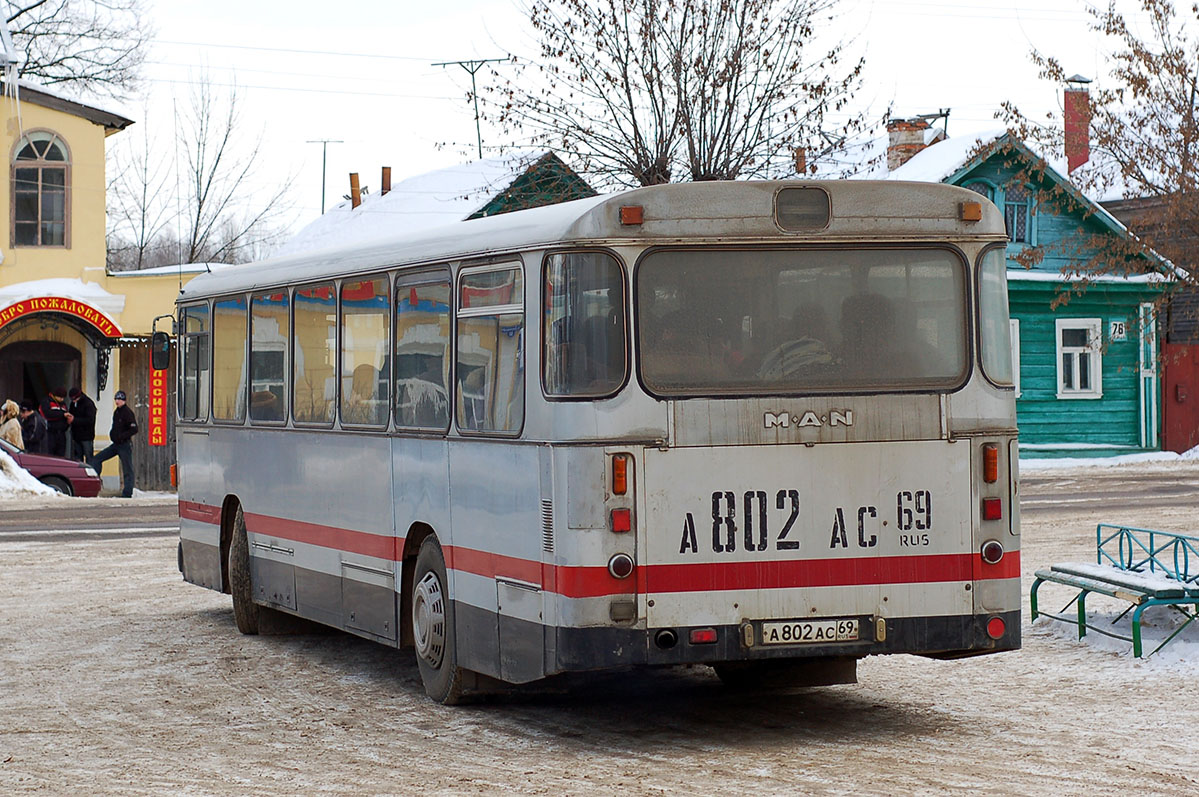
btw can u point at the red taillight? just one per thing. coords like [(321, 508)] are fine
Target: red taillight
[(703, 636), (990, 463), (620, 474), (622, 520), (996, 627), (992, 552), (992, 509)]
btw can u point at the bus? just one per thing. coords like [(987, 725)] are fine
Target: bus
[(763, 426)]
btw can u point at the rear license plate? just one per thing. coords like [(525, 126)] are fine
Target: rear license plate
[(800, 632)]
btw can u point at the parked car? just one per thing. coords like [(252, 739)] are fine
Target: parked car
[(64, 475)]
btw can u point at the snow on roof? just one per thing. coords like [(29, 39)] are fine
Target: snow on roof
[(160, 271), (89, 293), (110, 116), (941, 160), (427, 200)]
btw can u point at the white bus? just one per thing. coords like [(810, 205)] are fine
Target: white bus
[(764, 426)]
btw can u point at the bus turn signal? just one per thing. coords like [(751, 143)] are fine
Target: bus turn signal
[(620, 474), (990, 463)]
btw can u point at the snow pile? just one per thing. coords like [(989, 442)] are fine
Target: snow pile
[(16, 482), (1107, 462)]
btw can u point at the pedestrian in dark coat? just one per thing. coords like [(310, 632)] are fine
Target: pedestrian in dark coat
[(54, 410), (33, 428), (124, 427), (82, 412)]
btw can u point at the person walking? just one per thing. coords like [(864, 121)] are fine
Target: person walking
[(82, 413), (33, 428), (124, 427), (54, 410), (10, 424)]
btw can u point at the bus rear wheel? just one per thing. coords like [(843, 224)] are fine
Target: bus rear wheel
[(433, 627), (245, 611)]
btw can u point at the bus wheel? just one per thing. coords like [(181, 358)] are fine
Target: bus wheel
[(245, 611), (433, 627)]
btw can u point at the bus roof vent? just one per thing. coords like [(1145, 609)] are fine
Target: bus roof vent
[(802, 209)]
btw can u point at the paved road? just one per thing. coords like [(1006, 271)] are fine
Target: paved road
[(78, 520)]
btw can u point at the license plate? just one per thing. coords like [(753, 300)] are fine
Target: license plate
[(800, 632)]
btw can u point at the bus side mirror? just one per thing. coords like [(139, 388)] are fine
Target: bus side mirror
[(160, 351)]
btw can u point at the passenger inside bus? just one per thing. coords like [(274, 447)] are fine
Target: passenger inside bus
[(805, 352), (868, 338)]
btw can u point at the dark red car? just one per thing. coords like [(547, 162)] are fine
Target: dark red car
[(64, 475)]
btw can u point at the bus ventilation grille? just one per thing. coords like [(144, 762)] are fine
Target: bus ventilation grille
[(547, 526)]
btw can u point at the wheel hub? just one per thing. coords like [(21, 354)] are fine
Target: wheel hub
[(428, 619)]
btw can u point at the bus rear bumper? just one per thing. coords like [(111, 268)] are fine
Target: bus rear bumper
[(940, 637)]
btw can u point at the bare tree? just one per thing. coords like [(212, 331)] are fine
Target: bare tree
[(210, 208), (1144, 142), (647, 91), (95, 45)]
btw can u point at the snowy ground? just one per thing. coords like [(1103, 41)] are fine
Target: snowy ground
[(116, 677)]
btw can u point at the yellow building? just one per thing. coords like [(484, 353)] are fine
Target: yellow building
[(64, 320)]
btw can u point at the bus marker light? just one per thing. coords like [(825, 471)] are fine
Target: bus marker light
[(992, 509), (970, 211), (992, 552), (622, 520), (703, 636), (631, 214), (620, 565), (996, 627), (620, 474), (174, 475), (990, 463)]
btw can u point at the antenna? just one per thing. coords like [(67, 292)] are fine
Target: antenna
[(941, 114), (324, 142), (472, 67)]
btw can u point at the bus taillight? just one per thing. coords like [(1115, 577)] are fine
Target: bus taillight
[(990, 463), (620, 474), (622, 520), (992, 509)]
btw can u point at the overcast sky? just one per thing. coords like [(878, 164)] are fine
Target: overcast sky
[(361, 72)]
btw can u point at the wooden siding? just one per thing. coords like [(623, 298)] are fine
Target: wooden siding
[(1043, 418), (151, 464)]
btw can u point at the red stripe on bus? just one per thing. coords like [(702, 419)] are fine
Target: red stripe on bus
[(190, 510), (361, 542)]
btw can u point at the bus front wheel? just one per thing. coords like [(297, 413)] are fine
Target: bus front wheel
[(433, 626), (245, 611)]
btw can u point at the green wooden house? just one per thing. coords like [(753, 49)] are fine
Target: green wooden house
[(1085, 354)]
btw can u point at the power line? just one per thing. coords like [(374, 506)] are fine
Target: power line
[(174, 81), (291, 50)]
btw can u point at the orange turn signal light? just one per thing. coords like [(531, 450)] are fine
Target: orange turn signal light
[(990, 463), (174, 475), (631, 214), (620, 474), (970, 211)]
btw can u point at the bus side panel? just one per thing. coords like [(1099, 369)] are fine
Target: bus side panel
[(199, 510), (495, 558)]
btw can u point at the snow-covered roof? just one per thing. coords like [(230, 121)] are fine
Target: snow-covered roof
[(162, 271), (89, 293), (66, 102), (427, 200)]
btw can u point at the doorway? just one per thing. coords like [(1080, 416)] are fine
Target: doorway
[(30, 369)]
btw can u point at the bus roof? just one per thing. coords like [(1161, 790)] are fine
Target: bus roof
[(678, 212)]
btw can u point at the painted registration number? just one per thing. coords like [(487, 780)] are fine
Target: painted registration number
[(799, 632)]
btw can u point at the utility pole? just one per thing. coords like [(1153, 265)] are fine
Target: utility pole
[(472, 67), (324, 142)]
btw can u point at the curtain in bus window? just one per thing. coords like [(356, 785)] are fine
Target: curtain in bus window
[(268, 356), (229, 359), (585, 353), (422, 355), (365, 315), (193, 370), (994, 325), (490, 355), (314, 381), (762, 322)]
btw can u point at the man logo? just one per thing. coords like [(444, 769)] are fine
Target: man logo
[(784, 420)]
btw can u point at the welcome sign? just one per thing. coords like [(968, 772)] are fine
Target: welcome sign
[(59, 304)]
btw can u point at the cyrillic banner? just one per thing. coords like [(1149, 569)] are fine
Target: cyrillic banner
[(158, 407)]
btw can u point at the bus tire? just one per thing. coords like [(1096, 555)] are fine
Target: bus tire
[(433, 627), (245, 611)]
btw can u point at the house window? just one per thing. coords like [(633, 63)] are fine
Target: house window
[(981, 188), (1079, 358), (1017, 216), (39, 181), (1014, 331)]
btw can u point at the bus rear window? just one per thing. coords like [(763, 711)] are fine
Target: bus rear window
[(584, 325), (769, 322)]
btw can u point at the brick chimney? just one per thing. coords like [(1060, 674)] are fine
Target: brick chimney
[(1076, 114), (906, 137)]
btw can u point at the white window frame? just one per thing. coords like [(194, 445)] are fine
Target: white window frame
[(1092, 351), (1014, 333)]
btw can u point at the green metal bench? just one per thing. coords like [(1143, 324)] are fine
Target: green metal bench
[(1141, 566)]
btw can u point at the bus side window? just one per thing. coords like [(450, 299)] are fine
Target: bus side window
[(229, 359), (365, 340), (489, 395), (422, 356), (193, 365), (269, 337), (314, 336), (584, 325)]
